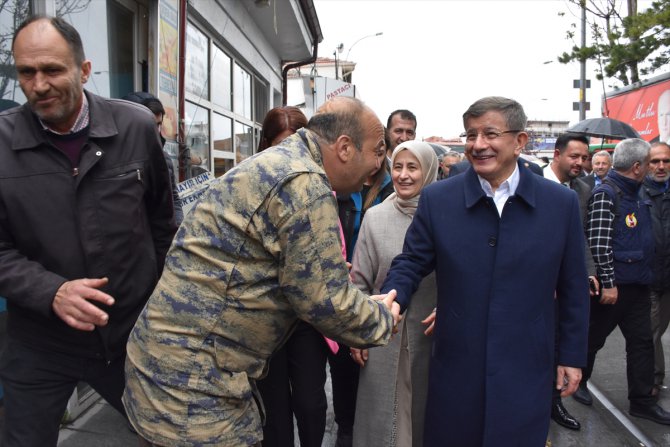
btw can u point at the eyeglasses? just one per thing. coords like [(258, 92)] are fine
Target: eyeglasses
[(654, 161), (488, 135)]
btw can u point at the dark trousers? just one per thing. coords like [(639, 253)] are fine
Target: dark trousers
[(37, 387), (344, 376), (632, 314), (295, 385), (555, 393)]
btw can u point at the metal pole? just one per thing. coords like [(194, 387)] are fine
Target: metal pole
[(337, 69), (582, 69)]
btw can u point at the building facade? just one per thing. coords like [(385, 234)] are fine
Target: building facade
[(543, 135)]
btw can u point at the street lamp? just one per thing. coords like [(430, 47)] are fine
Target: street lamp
[(364, 37)]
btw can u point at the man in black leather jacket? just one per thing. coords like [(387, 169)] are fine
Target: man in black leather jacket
[(86, 219)]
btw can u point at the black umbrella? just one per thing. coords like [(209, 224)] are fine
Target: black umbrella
[(605, 128)]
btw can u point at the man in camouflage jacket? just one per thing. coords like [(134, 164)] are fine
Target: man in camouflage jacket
[(259, 251)]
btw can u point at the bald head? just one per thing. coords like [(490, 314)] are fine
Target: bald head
[(48, 68), (343, 116), (341, 103), (68, 32), (351, 140)]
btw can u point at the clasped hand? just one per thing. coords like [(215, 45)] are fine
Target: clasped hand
[(391, 305), (360, 356), (72, 305)]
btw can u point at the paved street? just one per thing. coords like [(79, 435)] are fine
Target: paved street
[(607, 423)]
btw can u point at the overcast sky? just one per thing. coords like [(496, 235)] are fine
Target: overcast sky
[(437, 57)]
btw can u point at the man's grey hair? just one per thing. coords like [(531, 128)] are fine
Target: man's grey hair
[(335, 121), (512, 111), (452, 154), (628, 152), (604, 154)]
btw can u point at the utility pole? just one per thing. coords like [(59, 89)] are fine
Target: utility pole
[(337, 51), (582, 68)]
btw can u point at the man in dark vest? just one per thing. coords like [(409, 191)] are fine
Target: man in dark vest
[(619, 232)]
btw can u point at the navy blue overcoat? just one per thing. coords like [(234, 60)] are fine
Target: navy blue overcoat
[(497, 277)]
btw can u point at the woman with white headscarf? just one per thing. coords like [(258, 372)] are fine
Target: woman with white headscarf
[(393, 385)]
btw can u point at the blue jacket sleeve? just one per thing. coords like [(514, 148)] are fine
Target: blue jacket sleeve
[(417, 259)]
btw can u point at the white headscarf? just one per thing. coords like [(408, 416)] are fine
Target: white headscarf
[(428, 161)]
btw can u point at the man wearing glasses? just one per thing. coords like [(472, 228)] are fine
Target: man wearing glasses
[(484, 233)]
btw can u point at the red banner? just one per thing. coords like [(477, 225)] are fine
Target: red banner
[(647, 109)]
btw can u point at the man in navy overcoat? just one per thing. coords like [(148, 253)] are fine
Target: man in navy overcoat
[(504, 243)]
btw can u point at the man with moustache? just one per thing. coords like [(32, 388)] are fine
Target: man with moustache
[(655, 189), (86, 218), (259, 251), (498, 275), (400, 127)]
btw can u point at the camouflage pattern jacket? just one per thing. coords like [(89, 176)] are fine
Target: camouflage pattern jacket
[(260, 250)]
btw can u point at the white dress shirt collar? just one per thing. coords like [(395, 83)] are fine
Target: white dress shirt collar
[(504, 191)]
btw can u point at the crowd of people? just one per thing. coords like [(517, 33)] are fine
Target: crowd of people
[(424, 280)]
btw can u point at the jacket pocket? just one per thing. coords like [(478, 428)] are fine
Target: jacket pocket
[(128, 170), (629, 257), (114, 211), (629, 267)]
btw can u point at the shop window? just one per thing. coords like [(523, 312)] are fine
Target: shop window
[(197, 63), (109, 32), (242, 92), (222, 131), (235, 100), (260, 100), (121, 46), (221, 85), (197, 139), (222, 165), (244, 139), (222, 134)]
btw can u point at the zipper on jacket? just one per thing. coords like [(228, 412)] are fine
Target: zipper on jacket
[(139, 175), (75, 172)]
